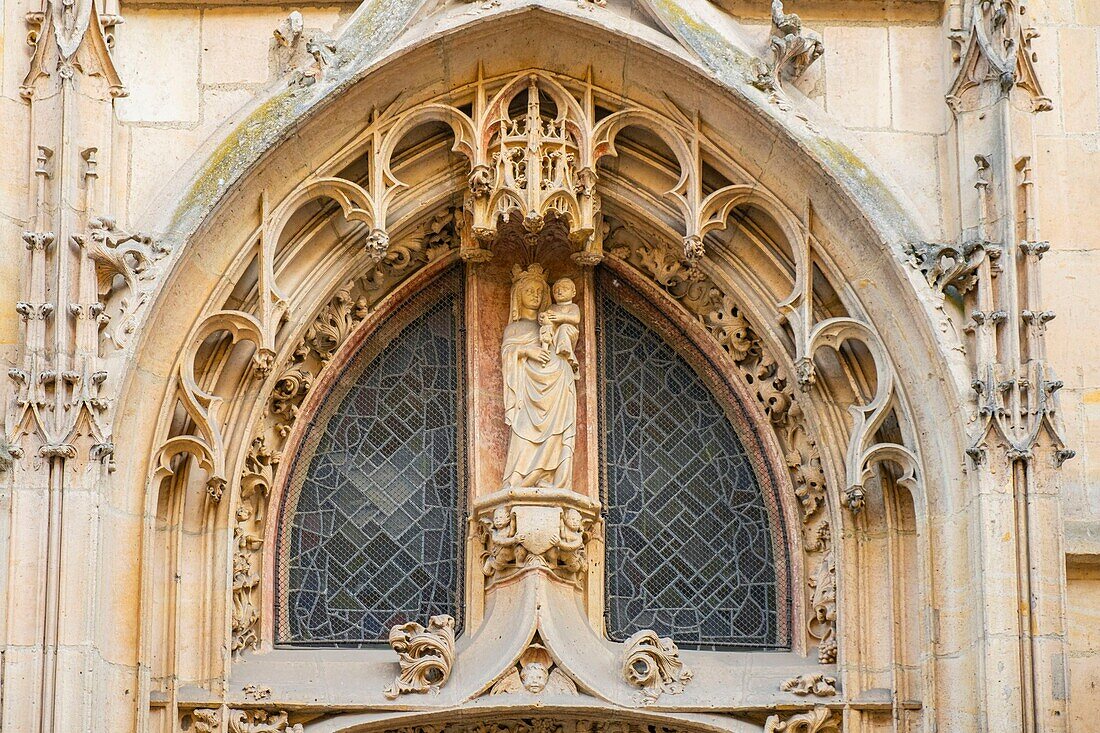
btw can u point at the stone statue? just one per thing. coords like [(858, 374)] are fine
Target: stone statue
[(535, 672), (505, 548), (568, 553), (539, 366)]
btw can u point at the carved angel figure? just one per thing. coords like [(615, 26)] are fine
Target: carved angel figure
[(504, 548), (568, 553), (535, 673)]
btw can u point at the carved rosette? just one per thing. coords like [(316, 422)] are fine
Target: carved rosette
[(535, 529), (653, 663), (425, 656)]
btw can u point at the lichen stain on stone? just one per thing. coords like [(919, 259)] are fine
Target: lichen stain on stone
[(238, 149), (709, 44), (843, 159)]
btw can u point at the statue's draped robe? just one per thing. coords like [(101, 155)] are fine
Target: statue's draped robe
[(540, 406)]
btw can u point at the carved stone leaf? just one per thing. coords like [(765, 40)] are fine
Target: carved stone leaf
[(818, 720), (425, 656), (653, 663)]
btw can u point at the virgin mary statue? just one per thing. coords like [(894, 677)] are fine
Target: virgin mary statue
[(540, 390)]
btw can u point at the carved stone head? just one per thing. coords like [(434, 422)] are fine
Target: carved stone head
[(564, 290), (530, 291), (535, 663), (501, 517)]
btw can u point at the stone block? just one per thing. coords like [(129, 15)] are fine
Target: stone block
[(15, 54), (1087, 12), (1066, 275), (917, 79), (13, 263), (1083, 625), (237, 44), (913, 162), (857, 75), (1077, 53), (1068, 174), (158, 152), (158, 57), (1051, 11), (218, 106), (1045, 48), (15, 162)]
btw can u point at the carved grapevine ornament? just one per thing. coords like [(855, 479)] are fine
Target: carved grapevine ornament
[(817, 684), (208, 720)]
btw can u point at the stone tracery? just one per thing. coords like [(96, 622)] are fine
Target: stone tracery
[(684, 276)]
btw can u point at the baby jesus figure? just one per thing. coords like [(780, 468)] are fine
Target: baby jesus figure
[(558, 324)]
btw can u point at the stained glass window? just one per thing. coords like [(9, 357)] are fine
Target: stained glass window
[(373, 531), (689, 541)]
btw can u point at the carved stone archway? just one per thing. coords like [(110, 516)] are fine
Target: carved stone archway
[(759, 256)]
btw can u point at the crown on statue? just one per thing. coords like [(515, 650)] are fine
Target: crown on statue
[(535, 270)]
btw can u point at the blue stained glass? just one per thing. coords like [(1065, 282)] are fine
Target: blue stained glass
[(374, 524), (689, 544)]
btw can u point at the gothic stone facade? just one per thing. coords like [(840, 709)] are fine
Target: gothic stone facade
[(871, 222)]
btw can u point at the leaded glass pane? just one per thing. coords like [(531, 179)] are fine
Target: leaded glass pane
[(374, 536), (689, 546)]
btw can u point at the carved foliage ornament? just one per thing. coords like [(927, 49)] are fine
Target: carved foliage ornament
[(818, 685), (792, 52), (947, 265), (818, 720), (653, 663), (425, 656), (823, 610), (556, 724), (302, 55), (208, 720)]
